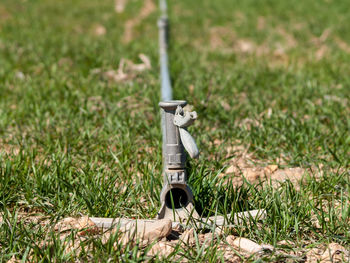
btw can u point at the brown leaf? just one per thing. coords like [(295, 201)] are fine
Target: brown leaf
[(99, 30), (119, 6), (342, 44), (261, 23), (147, 8), (146, 231), (335, 253), (127, 70), (230, 239), (188, 237), (247, 245), (146, 64), (162, 249), (83, 223), (271, 168)]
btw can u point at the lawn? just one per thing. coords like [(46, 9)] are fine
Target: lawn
[(80, 127)]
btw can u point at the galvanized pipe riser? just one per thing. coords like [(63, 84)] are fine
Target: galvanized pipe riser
[(166, 91)]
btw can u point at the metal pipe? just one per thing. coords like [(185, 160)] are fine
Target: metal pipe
[(163, 25)]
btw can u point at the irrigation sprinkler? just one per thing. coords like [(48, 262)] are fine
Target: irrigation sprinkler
[(176, 196)]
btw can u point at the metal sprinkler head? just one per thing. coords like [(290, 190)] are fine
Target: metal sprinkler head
[(176, 196)]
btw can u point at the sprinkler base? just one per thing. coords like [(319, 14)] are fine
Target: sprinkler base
[(213, 222)]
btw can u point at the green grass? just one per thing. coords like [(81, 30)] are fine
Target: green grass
[(74, 143)]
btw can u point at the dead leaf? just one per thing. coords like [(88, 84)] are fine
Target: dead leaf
[(191, 88), (159, 229), (271, 168), (225, 105), (162, 249), (145, 231), (99, 30), (147, 8), (321, 52), (335, 253), (20, 75), (290, 40), (230, 239), (146, 64), (342, 44), (127, 70), (325, 34), (244, 164), (119, 6), (116, 75), (261, 23), (247, 245), (188, 237), (245, 45), (231, 169), (4, 14), (84, 224)]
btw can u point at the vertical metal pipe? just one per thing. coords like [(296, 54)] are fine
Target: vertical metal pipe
[(163, 25), (166, 91)]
